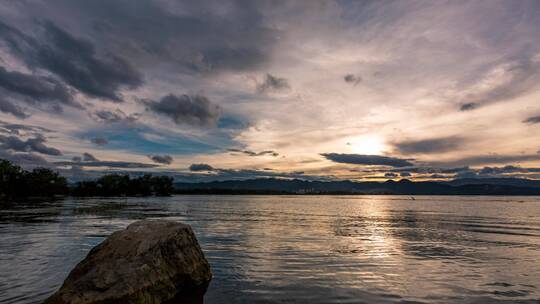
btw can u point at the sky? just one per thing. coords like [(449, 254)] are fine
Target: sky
[(217, 90)]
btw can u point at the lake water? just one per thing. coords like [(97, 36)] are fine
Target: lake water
[(301, 249)]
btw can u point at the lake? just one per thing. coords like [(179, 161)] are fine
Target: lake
[(300, 249)]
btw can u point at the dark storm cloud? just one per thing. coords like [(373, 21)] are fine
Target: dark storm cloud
[(161, 159), (192, 110), (87, 157), (200, 36), (74, 60), (435, 145), (201, 167), (117, 116), (10, 108), (468, 106), (370, 160), (272, 83), (253, 153), (100, 141), (404, 174), (532, 120), (36, 88), (36, 144), (353, 79)]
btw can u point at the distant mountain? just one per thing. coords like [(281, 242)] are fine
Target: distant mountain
[(518, 182), (402, 187)]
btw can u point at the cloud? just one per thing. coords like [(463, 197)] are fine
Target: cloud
[(36, 88), (8, 107), (252, 153), (272, 83), (437, 176), (30, 145), (532, 120), (353, 79), (468, 106), (487, 159), (201, 167), (109, 164), (14, 128), (406, 171), (207, 47), (503, 81), (427, 146), (87, 157), (24, 160), (73, 60), (100, 141), (370, 160), (508, 171), (208, 173), (161, 159), (192, 110), (205, 37), (390, 174), (453, 170), (117, 116), (404, 174)]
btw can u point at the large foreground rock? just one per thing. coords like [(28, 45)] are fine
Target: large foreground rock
[(148, 262)]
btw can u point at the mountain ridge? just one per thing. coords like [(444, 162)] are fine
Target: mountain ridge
[(494, 186)]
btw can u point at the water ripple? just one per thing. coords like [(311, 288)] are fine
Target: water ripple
[(300, 249)]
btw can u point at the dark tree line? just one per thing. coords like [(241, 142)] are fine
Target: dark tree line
[(123, 185), (16, 182)]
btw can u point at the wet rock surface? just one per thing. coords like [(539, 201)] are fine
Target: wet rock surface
[(148, 262)]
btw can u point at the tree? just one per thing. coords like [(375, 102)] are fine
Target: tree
[(11, 179), (141, 185), (45, 182), (162, 185), (16, 182), (114, 185), (86, 188)]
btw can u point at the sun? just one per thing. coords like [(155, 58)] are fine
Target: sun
[(366, 144)]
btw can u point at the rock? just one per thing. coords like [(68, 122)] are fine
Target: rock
[(148, 262)]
